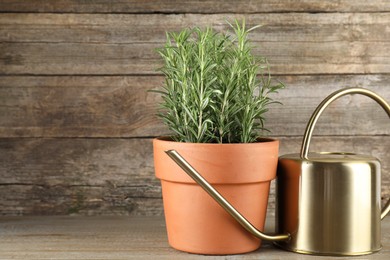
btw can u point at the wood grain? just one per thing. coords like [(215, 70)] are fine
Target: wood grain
[(78, 106), (121, 238), (116, 176), (86, 44), (76, 120), (86, 176), (191, 6), (120, 106)]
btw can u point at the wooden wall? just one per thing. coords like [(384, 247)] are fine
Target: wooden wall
[(76, 122)]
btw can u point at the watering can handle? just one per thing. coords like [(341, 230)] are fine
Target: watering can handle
[(321, 107), (179, 160)]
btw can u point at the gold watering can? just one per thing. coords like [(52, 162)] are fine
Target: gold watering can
[(327, 203)]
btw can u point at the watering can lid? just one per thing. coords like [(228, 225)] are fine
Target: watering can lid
[(330, 157)]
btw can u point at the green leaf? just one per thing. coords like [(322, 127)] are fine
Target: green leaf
[(215, 89)]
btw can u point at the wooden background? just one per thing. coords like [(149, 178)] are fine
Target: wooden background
[(76, 122)]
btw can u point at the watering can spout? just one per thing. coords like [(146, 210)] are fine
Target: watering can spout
[(179, 160)]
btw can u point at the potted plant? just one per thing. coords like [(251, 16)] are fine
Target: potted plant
[(214, 98)]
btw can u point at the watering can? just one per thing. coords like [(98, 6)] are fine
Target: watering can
[(327, 203)]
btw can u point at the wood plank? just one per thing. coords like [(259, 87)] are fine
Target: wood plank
[(105, 237), (84, 176), (30, 199), (191, 6), (80, 44), (348, 116), (79, 162), (116, 176), (120, 106), (129, 28), (78, 106)]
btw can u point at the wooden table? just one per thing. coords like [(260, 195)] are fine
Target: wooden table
[(100, 237)]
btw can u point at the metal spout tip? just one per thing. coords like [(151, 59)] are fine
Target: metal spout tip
[(171, 153)]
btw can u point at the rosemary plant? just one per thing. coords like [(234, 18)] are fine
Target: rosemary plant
[(216, 90)]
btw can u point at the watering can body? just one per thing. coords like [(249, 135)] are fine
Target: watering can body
[(330, 204)]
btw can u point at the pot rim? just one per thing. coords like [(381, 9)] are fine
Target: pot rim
[(166, 138), (218, 163)]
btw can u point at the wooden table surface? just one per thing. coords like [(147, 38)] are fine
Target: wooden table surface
[(71, 237)]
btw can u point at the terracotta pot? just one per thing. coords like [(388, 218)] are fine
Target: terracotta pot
[(240, 172)]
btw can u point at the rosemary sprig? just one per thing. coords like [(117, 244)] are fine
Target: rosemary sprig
[(216, 90)]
